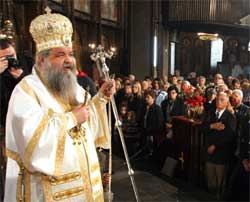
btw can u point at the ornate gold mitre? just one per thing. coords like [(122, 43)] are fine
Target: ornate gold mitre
[(51, 31)]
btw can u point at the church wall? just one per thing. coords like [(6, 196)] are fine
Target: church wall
[(99, 22), (141, 40)]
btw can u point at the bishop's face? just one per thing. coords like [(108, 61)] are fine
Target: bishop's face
[(59, 71), (62, 58)]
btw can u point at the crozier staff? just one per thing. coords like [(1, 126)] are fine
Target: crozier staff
[(47, 161)]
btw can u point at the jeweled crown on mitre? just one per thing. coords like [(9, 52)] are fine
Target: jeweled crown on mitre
[(51, 31)]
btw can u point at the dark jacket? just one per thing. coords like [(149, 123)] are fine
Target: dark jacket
[(223, 140), (242, 114), (137, 104), (176, 108), (154, 120), (7, 84), (87, 83)]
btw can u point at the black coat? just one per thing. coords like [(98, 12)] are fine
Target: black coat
[(7, 84), (223, 140), (178, 108), (243, 130), (154, 121), (87, 82)]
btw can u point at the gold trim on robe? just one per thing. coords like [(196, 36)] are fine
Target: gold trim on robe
[(66, 178), (23, 177), (60, 147), (35, 138), (68, 193), (46, 189), (29, 90), (84, 172), (104, 128), (27, 186)]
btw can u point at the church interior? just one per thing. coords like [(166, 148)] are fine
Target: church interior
[(155, 42)]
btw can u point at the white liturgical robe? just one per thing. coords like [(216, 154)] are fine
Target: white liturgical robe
[(47, 161)]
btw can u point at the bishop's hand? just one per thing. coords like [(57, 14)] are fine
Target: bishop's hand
[(108, 88), (81, 113)]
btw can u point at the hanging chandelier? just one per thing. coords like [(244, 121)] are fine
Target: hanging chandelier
[(207, 36)]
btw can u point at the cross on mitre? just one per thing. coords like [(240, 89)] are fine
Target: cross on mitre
[(47, 10)]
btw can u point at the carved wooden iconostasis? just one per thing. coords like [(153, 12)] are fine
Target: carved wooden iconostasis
[(193, 54)]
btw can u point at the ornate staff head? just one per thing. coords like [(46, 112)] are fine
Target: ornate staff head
[(99, 56)]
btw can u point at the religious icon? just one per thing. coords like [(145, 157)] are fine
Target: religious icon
[(82, 5), (109, 9)]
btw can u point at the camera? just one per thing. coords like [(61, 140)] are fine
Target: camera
[(13, 62)]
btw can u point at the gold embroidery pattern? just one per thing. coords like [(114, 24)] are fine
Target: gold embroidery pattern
[(60, 147), (77, 134), (68, 193), (83, 161), (35, 138), (27, 186), (22, 175), (64, 178), (95, 167), (103, 125), (19, 184), (98, 196), (96, 181), (46, 189), (14, 156), (100, 140), (29, 90)]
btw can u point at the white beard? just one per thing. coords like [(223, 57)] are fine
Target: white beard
[(63, 84)]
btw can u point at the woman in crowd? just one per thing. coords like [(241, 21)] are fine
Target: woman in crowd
[(151, 122)]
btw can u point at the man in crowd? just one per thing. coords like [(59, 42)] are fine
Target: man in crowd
[(218, 79), (160, 94), (238, 183), (87, 83), (219, 126), (172, 106), (10, 75), (52, 127), (201, 84)]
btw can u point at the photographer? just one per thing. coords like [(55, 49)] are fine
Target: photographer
[(11, 73)]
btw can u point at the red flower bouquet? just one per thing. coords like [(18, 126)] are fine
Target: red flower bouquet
[(195, 106)]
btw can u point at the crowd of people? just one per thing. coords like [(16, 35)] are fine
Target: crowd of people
[(147, 109)]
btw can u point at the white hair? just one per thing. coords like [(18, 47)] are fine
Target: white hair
[(186, 82), (238, 92)]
